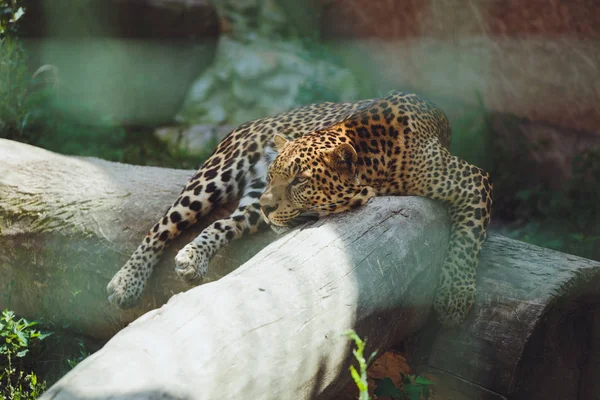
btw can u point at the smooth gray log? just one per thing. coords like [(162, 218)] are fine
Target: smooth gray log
[(273, 328), (67, 224)]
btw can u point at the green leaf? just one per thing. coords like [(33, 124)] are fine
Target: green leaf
[(386, 387), (22, 353), (422, 381), (18, 14), (413, 391), (406, 379), (30, 324), (372, 357), (22, 338), (354, 374), (44, 335), (33, 379)]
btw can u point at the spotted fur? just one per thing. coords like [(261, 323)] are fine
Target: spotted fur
[(322, 159)]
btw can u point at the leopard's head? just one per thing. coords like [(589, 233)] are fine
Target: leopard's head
[(312, 176)]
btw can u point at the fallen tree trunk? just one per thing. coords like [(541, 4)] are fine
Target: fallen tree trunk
[(67, 224), (273, 328), (534, 333)]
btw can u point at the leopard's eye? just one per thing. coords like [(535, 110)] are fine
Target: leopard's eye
[(299, 179)]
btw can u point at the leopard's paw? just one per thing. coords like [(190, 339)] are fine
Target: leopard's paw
[(191, 263), (124, 289), (453, 303)]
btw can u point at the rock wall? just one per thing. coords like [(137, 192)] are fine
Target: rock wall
[(536, 59), (127, 61)]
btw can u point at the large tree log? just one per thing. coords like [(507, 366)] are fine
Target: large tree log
[(67, 224), (534, 333), (273, 328), (301, 293)]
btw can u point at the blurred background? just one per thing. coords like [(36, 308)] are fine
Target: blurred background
[(160, 82)]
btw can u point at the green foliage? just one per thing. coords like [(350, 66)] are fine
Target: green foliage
[(360, 378), (413, 388), (83, 354), (10, 13), (17, 338), (18, 335), (14, 83)]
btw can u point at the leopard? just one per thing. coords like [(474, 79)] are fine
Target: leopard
[(322, 159)]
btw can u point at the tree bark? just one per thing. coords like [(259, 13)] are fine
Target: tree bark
[(67, 224), (273, 328), (533, 334)]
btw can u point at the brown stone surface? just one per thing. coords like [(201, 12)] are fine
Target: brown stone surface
[(518, 18), (537, 59), (394, 19)]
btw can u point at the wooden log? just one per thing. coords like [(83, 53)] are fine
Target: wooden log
[(533, 334), (270, 329), (273, 328), (67, 224)]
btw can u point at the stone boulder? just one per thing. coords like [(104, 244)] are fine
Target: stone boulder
[(128, 61)]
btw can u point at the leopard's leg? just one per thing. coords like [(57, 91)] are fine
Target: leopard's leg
[(200, 196), (192, 261), (467, 190)]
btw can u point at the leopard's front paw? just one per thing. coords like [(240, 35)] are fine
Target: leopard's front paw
[(124, 289), (453, 303), (191, 263)]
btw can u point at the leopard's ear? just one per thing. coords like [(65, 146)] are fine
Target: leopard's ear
[(343, 159), (279, 141)]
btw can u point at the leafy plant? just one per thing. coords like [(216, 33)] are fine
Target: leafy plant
[(10, 12), (17, 338), (14, 83), (413, 388), (83, 353), (360, 378)]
